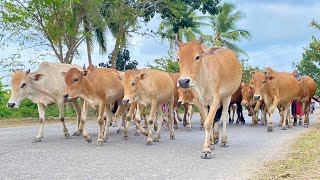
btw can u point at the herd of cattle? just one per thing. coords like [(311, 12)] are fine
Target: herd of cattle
[(209, 78)]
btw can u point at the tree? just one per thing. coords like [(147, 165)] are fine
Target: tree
[(247, 69), (225, 31), (190, 33), (123, 61), (165, 64), (45, 23)]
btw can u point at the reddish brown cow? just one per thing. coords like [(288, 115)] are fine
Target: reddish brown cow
[(308, 90), (99, 87), (275, 88)]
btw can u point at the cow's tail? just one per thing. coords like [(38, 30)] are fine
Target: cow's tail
[(316, 99)]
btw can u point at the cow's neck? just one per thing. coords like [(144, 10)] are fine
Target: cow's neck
[(201, 84), (266, 94), (88, 91), (40, 95)]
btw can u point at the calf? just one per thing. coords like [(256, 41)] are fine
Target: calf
[(236, 98), (99, 87), (150, 88)]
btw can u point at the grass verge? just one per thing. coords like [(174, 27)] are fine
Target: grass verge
[(302, 161)]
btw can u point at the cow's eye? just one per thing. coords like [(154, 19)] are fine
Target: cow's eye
[(133, 83), (198, 58), (23, 85), (76, 80), (178, 59), (263, 81)]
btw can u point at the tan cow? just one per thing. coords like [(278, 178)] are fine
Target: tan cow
[(213, 75), (99, 87), (187, 98), (276, 89), (308, 90), (45, 86), (150, 88)]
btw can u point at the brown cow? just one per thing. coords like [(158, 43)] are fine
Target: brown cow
[(175, 77), (213, 75), (154, 88), (236, 98), (308, 90), (187, 99), (99, 87), (275, 88)]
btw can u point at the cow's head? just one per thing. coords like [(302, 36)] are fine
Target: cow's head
[(75, 80), (260, 81), (190, 59), (185, 95), (21, 86), (131, 83), (247, 91)]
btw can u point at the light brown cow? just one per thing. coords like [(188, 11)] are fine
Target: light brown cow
[(175, 77), (247, 101), (308, 90), (187, 98), (275, 89), (45, 86), (99, 87), (213, 75), (154, 88)]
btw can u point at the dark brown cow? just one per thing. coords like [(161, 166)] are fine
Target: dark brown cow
[(236, 98)]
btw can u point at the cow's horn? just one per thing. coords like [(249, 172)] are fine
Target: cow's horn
[(177, 40), (200, 40), (28, 71), (84, 66)]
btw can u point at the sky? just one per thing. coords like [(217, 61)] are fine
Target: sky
[(280, 29)]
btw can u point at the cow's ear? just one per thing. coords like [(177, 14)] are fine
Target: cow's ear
[(84, 73), (37, 77), (142, 75), (200, 40), (177, 40), (252, 73), (63, 74)]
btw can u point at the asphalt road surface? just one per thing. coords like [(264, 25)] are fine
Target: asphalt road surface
[(59, 158)]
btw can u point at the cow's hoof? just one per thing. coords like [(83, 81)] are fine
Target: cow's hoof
[(119, 130), (237, 123), (100, 143), (216, 141), (184, 124), (67, 136), (289, 126), (172, 138), (206, 155), (37, 139), (137, 134), (270, 129), (155, 128), (89, 140), (243, 122), (125, 137), (300, 123), (225, 144), (189, 130), (262, 124), (156, 140), (179, 119), (306, 125), (77, 133), (211, 147), (283, 128), (149, 143), (175, 127), (105, 140), (201, 128)]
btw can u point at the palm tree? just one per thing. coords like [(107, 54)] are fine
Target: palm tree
[(315, 24), (225, 31), (167, 29)]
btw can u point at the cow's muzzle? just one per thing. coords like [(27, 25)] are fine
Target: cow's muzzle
[(257, 97), (66, 96), (125, 101), (180, 102), (184, 83), (11, 105)]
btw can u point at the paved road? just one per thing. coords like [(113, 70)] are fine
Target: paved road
[(59, 158)]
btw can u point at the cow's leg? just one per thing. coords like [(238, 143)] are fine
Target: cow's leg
[(190, 112), (78, 111), (41, 110), (301, 106), (264, 115), (170, 118), (82, 127), (124, 120), (271, 112), (176, 109), (102, 107), (151, 121), (306, 113), (105, 131), (160, 120), (61, 117), (289, 116), (226, 102), (285, 114), (206, 153), (203, 113), (233, 114), (229, 112), (138, 120), (254, 117), (116, 117)]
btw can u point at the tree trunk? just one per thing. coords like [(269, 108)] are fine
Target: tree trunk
[(115, 53), (88, 50)]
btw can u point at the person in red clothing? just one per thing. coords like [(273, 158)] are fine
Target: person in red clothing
[(296, 106)]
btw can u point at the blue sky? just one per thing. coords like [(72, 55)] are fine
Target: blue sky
[(279, 29)]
